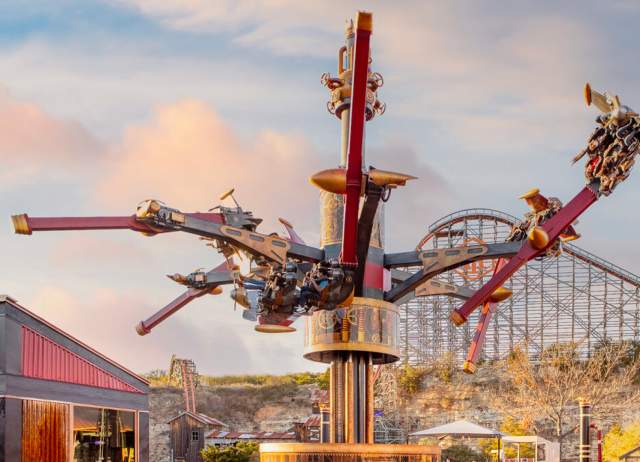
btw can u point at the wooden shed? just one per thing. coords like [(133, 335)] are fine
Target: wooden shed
[(188, 431)]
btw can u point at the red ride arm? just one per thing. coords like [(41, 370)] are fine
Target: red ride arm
[(144, 327), (24, 224), (556, 224), (356, 136), (488, 308)]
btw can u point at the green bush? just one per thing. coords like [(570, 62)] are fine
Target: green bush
[(241, 452), (296, 378), (461, 453), (157, 377), (323, 379), (409, 379)]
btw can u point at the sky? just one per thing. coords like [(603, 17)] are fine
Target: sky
[(107, 103)]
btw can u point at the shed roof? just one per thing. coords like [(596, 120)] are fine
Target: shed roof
[(202, 418), (312, 421), (224, 435)]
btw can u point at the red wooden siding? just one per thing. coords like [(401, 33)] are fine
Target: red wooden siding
[(44, 359)]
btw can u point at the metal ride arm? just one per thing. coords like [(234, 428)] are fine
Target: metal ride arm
[(553, 228), (24, 224), (429, 288), (356, 139), (365, 227), (218, 276), (488, 309), (273, 248), (438, 261), (165, 219), (144, 327)]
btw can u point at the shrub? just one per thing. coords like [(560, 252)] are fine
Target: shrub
[(461, 453), (241, 452)]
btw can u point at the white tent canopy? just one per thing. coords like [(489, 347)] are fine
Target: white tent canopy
[(459, 428), (545, 450)]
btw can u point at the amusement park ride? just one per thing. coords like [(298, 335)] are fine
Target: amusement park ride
[(344, 287)]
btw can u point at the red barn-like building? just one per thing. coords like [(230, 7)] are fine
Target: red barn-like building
[(62, 401)]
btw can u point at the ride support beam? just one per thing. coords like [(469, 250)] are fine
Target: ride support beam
[(356, 138), (477, 343), (365, 228), (437, 261), (416, 257), (144, 327)]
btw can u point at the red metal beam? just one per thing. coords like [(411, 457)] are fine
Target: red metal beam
[(356, 137), (488, 309), (556, 224), (24, 224), (144, 327)]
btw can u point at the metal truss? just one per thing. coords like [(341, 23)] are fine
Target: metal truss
[(575, 297)]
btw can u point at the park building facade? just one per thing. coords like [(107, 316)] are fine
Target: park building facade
[(61, 400)]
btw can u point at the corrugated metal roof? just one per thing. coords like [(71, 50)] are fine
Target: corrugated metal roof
[(11, 301), (42, 358), (312, 421), (251, 435)]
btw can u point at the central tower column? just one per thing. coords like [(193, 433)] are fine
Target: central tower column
[(350, 339)]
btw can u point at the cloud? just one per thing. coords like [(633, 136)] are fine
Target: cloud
[(282, 27), (477, 73), (107, 250), (187, 155), (411, 208), (31, 138)]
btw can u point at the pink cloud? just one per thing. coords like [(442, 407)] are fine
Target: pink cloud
[(29, 136), (74, 249), (187, 155)]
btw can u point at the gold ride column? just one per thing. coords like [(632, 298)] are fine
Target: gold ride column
[(351, 340)]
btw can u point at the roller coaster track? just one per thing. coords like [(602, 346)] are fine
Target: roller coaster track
[(576, 297)]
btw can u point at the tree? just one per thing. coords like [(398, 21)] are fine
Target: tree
[(547, 389), (158, 377), (241, 452), (409, 379), (323, 379), (619, 440), (461, 453), (510, 426)]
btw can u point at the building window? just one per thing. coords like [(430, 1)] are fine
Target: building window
[(103, 434), (195, 436)]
